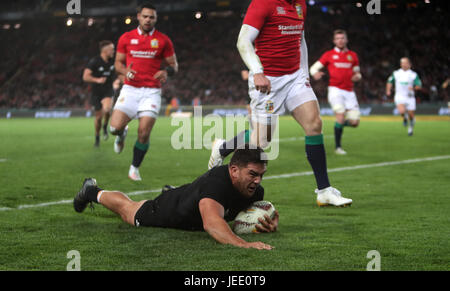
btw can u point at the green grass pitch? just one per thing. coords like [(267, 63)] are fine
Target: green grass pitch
[(401, 210)]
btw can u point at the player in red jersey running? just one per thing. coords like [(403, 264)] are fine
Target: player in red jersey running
[(140, 53), (279, 81), (343, 67)]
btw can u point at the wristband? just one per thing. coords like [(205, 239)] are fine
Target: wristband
[(170, 71)]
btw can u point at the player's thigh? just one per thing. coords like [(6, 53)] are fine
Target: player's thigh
[(401, 108), (119, 119), (129, 211), (107, 104), (308, 116), (304, 107)]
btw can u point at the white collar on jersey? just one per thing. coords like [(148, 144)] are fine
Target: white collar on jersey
[(339, 50), (141, 32)]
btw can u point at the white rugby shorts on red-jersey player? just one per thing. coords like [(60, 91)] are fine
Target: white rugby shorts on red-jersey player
[(287, 93), (342, 100), (139, 102)]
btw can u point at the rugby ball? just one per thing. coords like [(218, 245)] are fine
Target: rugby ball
[(246, 220)]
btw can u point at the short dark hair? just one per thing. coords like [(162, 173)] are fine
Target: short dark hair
[(147, 5), (104, 43), (246, 155), (339, 31)]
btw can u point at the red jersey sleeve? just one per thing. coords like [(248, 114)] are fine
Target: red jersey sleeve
[(257, 13), (324, 59), (121, 45), (168, 49)]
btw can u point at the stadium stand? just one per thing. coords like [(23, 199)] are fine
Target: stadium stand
[(44, 58)]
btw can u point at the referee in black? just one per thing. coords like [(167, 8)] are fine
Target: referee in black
[(208, 203), (99, 72)]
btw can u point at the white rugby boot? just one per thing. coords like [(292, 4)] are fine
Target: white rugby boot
[(340, 151), (215, 159), (119, 143), (331, 196), (133, 174)]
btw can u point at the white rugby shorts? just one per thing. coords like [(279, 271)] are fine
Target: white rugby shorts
[(138, 102), (342, 101), (409, 102), (287, 93)]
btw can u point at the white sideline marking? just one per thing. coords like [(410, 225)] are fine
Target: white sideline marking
[(360, 167), (70, 201), (2, 161), (411, 161)]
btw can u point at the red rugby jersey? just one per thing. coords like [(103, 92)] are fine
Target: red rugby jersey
[(280, 24), (339, 64), (146, 52)]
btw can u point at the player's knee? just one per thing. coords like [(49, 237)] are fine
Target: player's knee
[(314, 127), (114, 131), (107, 109), (354, 123)]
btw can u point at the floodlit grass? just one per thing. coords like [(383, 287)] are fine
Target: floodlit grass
[(401, 210)]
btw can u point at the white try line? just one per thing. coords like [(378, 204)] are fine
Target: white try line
[(351, 168)]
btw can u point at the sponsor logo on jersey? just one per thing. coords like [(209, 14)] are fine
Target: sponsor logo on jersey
[(143, 54), (281, 11), (154, 43), (291, 29), (343, 65), (299, 9)]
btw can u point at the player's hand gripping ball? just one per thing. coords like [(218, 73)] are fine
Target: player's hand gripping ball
[(246, 220)]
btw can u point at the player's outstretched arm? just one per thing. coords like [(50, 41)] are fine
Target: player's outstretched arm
[(214, 223)]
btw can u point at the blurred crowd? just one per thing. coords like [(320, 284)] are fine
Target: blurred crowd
[(44, 59)]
